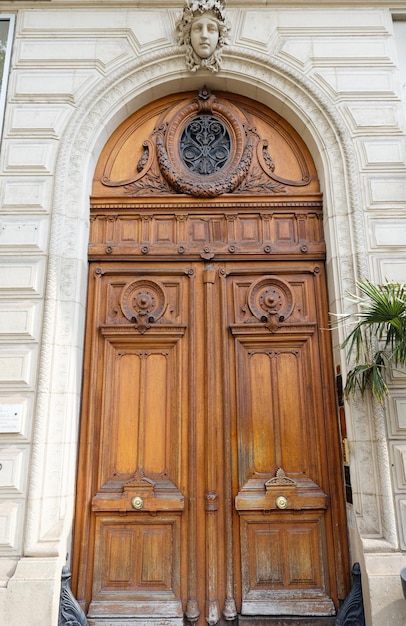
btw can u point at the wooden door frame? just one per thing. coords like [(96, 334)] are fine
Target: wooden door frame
[(299, 215)]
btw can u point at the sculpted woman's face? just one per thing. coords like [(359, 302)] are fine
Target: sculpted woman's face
[(204, 36)]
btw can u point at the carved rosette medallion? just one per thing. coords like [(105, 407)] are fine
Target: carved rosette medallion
[(143, 302), (270, 300)]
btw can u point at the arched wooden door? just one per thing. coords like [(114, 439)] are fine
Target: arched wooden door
[(210, 482)]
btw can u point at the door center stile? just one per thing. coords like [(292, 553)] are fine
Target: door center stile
[(212, 443)]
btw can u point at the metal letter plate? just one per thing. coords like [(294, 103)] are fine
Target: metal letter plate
[(10, 418)]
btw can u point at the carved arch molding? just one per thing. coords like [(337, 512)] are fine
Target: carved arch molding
[(239, 165)]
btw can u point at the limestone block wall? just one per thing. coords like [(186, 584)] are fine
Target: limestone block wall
[(78, 69)]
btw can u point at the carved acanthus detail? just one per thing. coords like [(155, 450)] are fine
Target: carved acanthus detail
[(138, 479), (205, 149), (280, 478), (70, 612)]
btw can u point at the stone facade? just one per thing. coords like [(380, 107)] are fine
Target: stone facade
[(78, 69)]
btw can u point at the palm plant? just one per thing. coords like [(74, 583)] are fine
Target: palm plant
[(377, 343)]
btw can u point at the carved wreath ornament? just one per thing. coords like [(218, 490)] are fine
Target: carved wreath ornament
[(205, 150)]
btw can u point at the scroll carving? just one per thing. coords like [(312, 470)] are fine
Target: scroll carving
[(211, 501), (205, 149)]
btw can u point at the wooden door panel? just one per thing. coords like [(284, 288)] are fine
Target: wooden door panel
[(137, 567), (279, 406), (142, 409), (142, 364), (275, 408), (283, 570), (139, 422), (279, 422)]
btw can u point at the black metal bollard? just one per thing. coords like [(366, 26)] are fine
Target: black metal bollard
[(403, 580), (70, 613), (352, 610)]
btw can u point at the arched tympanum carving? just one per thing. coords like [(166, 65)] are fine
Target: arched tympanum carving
[(205, 146)]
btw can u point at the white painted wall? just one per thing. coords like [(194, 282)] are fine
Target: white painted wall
[(77, 71), (399, 27)]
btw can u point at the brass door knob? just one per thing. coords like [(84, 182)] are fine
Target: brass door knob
[(281, 502), (137, 503)]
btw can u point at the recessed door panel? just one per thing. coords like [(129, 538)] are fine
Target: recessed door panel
[(141, 410), (137, 563), (283, 565), (275, 407)]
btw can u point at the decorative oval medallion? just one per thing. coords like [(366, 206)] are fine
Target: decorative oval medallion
[(143, 301), (270, 299), (205, 150)]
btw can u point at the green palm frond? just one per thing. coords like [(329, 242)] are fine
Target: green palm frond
[(380, 320), (367, 376)]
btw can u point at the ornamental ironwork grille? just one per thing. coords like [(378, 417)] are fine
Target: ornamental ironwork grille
[(205, 145)]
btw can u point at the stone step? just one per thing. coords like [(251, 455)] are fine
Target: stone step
[(283, 621)]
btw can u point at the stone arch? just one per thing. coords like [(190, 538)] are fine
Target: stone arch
[(275, 84)]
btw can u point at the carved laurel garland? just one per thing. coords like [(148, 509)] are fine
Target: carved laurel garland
[(227, 155), (83, 129), (230, 177), (204, 189)]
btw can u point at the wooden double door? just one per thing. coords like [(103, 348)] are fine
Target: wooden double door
[(210, 484)]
